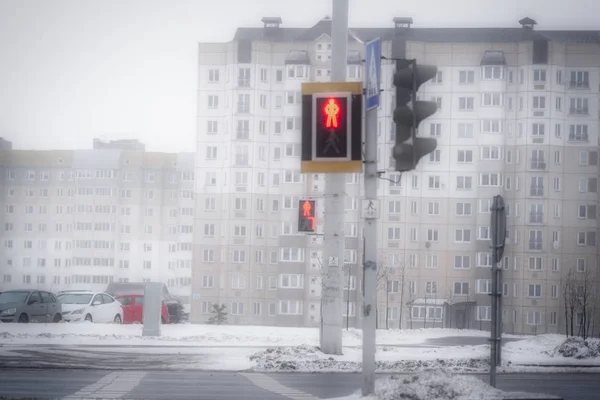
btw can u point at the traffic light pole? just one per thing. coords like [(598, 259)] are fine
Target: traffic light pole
[(370, 252), (335, 201)]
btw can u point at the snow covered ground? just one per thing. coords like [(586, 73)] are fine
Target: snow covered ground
[(260, 348), (206, 335)]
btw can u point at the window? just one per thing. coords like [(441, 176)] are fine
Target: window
[(534, 318), (213, 75), (241, 204), (491, 126), (431, 287), (211, 152), (483, 233), (433, 208), (462, 262), (492, 99), (394, 206), (580, 80), (484, 286), (466, 103), (463, 209), (435, 130), (209, 255), (393, 233), (434, 156), (466, 76), (461, 288), (292, 255), (291, 176), (290, 307), (291, 281), (238, 282), (462, 236), (578, 133), (239, 256), (237, 308), (464, 182), (490, 153), (213, 101), (492, 72), (490, 179), (465, 156), (535, 263), (433, 235), (465, 130), (484, 313), (434, 182), (210, 178)]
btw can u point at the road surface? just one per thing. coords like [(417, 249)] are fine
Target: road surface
[(81, 384)]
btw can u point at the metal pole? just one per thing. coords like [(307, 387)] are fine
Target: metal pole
[(370, 252), (348, 301), (494, 323), (335, 201)]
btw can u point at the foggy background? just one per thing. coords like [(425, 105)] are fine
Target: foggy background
[(71, 70)]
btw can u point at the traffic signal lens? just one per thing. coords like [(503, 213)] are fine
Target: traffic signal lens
[(306, 217), (331, 113)]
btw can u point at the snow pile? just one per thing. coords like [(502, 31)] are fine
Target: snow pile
[(578, 348), (431, 386), (309, 359)]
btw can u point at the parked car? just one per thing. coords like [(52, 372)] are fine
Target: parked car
[(172, 302), (29, 306), (133, 309), (90, 306)]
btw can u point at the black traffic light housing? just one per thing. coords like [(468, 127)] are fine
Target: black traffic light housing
[(306, 216), (409, 112)]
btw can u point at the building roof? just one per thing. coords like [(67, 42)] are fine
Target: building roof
[(435, 35)]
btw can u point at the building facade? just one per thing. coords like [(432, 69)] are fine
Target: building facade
[(83, 219), (518, 115)]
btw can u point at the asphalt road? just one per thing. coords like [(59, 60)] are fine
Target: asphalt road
[(81, 384)]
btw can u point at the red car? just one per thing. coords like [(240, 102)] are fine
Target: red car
[(133, 309)]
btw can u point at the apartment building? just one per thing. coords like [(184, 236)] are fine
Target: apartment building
[(518, 115), (85, 218)]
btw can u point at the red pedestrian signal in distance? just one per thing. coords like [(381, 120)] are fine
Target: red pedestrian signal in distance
[(331, 112), (306, 216)]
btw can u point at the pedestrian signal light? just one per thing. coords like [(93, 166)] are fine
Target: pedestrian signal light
[(306, 216)]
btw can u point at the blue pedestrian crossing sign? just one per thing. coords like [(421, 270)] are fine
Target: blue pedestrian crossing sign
[(373, 72)]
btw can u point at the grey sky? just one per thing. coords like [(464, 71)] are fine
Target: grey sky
[(71, 70)]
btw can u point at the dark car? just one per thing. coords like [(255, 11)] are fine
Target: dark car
[(29, 306)]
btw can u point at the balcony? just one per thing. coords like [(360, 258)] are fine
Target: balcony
[(536, 191), (536, 217), (578, 137), (579, 111), (535, 245), (538, 165), (243, 108), (579, 85)]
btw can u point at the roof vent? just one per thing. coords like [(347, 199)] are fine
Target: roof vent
[(271, 22), (527, 23)]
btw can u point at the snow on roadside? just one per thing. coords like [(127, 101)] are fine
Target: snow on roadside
[(210, 335), (311, 359), (430, 386)]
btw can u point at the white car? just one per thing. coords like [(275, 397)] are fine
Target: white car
[(90, 306)]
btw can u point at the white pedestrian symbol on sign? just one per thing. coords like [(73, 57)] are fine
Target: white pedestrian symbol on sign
[(373, 84)]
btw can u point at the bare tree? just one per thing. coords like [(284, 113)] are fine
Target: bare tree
[(584, 297), (383, 275), (567, 284)]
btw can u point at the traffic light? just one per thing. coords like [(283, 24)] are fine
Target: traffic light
[(332, 115), (409, 112), (306, 216)]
